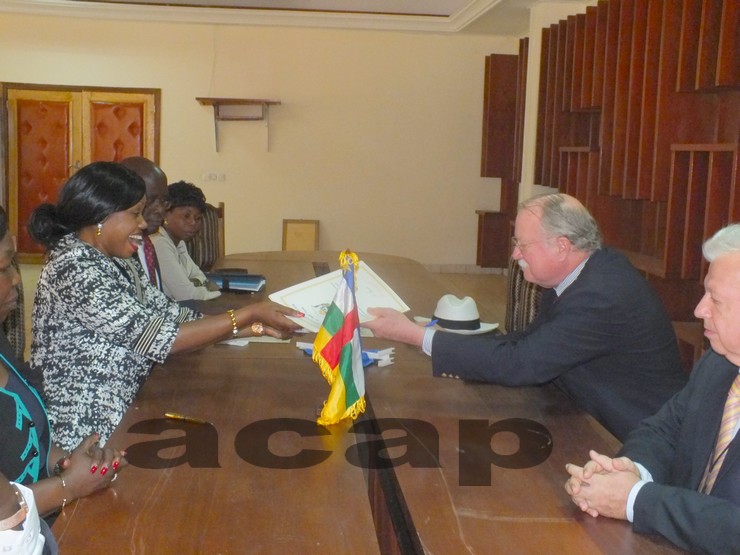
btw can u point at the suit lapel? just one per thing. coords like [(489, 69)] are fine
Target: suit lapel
[(721, 375)]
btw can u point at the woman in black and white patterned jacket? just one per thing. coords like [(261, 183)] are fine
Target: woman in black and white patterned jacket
[(98, 324)]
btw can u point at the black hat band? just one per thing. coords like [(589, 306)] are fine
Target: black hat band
[(458, 324)]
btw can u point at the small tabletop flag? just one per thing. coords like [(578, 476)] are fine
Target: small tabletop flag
[(338, 350)]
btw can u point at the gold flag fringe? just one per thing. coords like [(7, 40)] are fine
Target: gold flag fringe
[(357, 408)]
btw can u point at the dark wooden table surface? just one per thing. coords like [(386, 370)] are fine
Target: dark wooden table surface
[(263, 478)]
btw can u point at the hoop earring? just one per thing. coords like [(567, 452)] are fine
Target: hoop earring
[(98, 232)]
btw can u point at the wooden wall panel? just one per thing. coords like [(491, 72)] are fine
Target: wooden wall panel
[(708, 48), (499, 116), (521, 95), (558, 137), (633, 117), (648, 108), (599, 47), (728, 51), (622, 92), (689, 45), (643, 126), (611, 51), (589, 52), (584, 166), (502, 144), (543, 114), (734, 208), (718, 193), (664, 106), (568, 64), (576, 90), (695, 207)]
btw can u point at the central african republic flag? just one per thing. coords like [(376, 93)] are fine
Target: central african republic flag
[(338, 350)]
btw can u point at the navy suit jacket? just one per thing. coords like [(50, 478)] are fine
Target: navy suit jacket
[(606, 341), (675, 446)]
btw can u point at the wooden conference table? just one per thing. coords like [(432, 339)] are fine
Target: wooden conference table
[(262, 477)]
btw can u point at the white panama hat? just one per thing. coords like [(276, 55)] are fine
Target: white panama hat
[(458, 316)]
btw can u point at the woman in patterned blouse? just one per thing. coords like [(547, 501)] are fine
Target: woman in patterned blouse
[(27, 455), (98, 324)]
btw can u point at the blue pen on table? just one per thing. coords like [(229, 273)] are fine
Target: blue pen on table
[(431, 323)]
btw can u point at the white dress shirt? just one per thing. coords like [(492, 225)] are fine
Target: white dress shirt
[(178, 270)]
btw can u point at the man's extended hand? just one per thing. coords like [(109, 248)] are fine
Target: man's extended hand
[(391, 324)]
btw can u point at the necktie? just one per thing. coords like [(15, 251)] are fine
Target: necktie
[(150, 256), (726, 433)]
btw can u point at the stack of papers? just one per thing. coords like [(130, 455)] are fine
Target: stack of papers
[(314, 297)]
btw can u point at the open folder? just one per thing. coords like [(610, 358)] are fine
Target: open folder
[(313, 297)]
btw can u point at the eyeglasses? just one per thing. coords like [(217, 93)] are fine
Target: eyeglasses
[(517, 244)]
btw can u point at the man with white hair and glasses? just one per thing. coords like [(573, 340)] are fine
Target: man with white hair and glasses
[(601, 334)]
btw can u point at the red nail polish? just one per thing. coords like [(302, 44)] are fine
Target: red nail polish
[(104, 471), (115, 465), (93, 468)]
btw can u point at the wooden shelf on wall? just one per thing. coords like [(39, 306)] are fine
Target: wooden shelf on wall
[(238, 109)]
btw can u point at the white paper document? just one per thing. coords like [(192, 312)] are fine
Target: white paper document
[(313, 297)]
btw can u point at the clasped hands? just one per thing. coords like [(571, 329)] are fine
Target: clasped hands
[(602, 485), (90, 467)]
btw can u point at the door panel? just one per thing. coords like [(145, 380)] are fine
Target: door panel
[(118, 125), (53, 133), (44, 149)]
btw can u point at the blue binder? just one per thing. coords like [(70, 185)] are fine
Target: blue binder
[(237, 281)]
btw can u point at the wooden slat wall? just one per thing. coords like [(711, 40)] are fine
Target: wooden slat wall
[(502, 144), (639, 117)]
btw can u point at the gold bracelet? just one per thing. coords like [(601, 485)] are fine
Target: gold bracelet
[(64, 489), (234, 327)]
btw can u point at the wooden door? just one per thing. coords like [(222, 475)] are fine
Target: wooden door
[(44, 149), (53, 133), (117, 125)]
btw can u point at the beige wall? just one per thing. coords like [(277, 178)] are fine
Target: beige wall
[(378, 136), (389, 121)]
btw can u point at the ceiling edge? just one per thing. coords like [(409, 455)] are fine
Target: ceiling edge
[(235, 16)]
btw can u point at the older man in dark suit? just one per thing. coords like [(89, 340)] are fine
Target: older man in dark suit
[(678, 473), (601, 334)]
